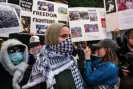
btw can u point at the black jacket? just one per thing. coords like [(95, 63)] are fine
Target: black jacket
[(6, 78), (64, 80), (121, 53)]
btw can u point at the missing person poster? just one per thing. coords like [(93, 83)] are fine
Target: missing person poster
[(9, 20), (41, 15), (119, 14), (87, 24)]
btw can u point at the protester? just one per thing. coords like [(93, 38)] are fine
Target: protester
[(80, 51), (55, 67), (126, 48), (13, 64), (103, 71), (126, 81), (125, 54), (35, 47)]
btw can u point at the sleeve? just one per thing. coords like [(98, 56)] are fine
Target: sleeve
[(103, 74), (118, 40)]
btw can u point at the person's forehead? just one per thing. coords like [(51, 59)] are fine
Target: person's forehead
[(65, 30)]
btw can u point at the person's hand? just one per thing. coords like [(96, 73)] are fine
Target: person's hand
[(117, 31), (125, 71), (87, 53)]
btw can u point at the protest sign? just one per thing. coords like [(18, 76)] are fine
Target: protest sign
[(87, 24), (119, 14), (9, 20), (41, 15)]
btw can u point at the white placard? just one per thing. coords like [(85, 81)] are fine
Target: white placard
[(87, 24), (41, 15)]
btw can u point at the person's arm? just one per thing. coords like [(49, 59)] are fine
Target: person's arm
[(118, 40), (118, 37), (104, 74)]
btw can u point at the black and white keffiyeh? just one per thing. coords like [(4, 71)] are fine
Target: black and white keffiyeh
[(64, 48), (51, 62)]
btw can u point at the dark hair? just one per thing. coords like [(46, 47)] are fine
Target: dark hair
[(126, 36)]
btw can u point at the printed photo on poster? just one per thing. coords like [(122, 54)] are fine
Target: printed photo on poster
[(8, 17), (62, 10), (124, 4), (25, 23), (93, 16), (110, 6), (2, 0), (76, 32), (26, 5), (84, 15), (45, 6), (63, 22), (16, 7), (91, 28), (74, 15), (41, 28)]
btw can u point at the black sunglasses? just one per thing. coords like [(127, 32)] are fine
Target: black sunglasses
[(18, 48)]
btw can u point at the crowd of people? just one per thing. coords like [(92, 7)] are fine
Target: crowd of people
[(62, 64)]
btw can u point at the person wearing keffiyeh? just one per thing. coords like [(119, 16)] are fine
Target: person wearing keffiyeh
[(55, 68)]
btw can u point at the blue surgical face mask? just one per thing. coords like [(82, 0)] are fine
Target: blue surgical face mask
[(16, 58)]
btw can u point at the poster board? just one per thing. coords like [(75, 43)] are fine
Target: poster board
[(37, 15), (9, 20), (119, 14), (87, 24)]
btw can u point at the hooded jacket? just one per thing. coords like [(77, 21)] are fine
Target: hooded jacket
[(11, 75)]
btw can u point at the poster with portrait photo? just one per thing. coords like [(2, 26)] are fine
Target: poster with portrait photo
[(76, 32), (26, 5), (26, 24), (43, 13), (45, 6), (89, 21), (91, 28), (122, 18), (110, 6), (41, 29), (9, 21)]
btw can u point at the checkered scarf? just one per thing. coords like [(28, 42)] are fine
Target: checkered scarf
[(55, 59), (64, 48)]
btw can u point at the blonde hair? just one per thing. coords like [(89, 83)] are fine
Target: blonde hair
[(52, 34)]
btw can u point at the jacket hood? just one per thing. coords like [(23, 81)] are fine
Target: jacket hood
[(4, 56)]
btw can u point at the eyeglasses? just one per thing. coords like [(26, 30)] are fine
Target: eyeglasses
[(16, 49)]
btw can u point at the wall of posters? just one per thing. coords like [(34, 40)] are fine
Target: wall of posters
[(9, 20), (119, 14), (37, 15), (87, 24)]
